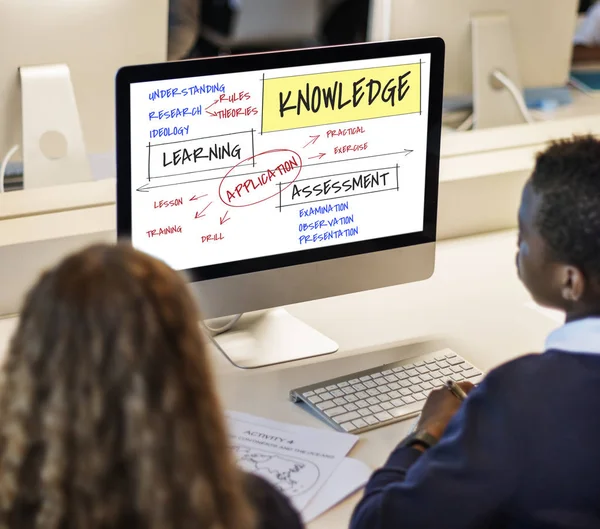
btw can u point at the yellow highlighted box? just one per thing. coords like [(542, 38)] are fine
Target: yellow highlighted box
[(339, 97)]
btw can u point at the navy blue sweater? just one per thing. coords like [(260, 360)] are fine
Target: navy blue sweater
[(522, 452)]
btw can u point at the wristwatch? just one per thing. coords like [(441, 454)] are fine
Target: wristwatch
[(420, 437)]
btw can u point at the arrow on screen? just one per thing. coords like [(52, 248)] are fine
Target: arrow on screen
[(406, 152), (197, 198), (224, 218), (313, 140), (319, 156), (201, 214)]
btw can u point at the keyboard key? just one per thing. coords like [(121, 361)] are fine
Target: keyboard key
[(394, 386), (364, 412), (447, 372), (392, 378), (359, 387), (387, 372), (353, 381), (450, 355), (362, 394), (457, 369), (351, 407), (360, 423), (408, 399), (349, 390), (373, 401), (414, 380), (383, 388), (376, 409), (365, 378), (435, 374), (376, 377), (419, 396), (371, 420), (348, 426), (383, 416), (332, 387), (343, 384), (426, 377), (350, 416), (340, 401), (470, 373), (427, 386), (373, 392), (386, 405), (326, 396), (406, 409), (309, 394), (315, 399), (430, 361), (370, 384), (443, 364), (332, 412), (325, 405), (455, 361), (319, 391), (419, 363), (405, 391), (394, 394), (383, 398), (423, 369), (337, 393), (351, 398), (440, 357), (412, 372), (398, 369), (405, 384), (362, 404)]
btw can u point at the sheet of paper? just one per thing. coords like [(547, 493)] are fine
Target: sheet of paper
[(348, 477), (556, 315), (295, 459)]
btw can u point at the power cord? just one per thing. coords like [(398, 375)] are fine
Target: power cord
[(224, 328), (516, 94), (4, 165)]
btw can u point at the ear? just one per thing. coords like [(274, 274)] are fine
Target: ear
[(573, 284)]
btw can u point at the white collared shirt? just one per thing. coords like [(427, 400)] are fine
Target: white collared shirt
[(579, 336)]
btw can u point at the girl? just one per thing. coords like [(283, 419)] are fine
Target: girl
[(110, 417)]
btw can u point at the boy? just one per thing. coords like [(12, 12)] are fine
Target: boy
[(522, 451)]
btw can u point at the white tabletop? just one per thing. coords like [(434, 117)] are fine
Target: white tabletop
[(473, 304)]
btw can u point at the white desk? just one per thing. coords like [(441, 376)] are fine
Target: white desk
[(474, 304)]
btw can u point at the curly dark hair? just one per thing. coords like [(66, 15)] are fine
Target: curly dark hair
[(110, 418), (567, 179)]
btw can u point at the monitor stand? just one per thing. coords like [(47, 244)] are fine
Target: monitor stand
[(271, 337), (53, 146), (493, 51)]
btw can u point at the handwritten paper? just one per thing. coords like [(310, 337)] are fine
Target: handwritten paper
[(350, 476), (296, 460)]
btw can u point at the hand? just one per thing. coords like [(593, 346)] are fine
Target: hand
[(440, 407)]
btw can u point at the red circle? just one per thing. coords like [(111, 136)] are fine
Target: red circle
[(253, 158)]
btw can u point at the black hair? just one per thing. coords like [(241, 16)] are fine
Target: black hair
[(567, 180)]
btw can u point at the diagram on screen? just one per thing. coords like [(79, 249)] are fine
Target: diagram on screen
[(291, 476), (317, 157)]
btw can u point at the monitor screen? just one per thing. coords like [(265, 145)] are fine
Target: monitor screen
[(256, 162)]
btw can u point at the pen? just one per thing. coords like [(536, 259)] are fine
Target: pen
[(456, 390)]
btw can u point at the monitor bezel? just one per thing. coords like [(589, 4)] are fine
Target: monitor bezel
[(272, 60)]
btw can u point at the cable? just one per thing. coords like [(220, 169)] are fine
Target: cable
[(224, 328), (4, 165), (516, 93)]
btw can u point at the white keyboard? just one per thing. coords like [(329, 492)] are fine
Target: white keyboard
[(384, 395)]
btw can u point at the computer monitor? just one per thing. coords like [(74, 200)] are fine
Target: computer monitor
[(279, 178), (529, 42), (59, 62)]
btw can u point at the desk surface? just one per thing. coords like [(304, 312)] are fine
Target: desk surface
[(474, 304)]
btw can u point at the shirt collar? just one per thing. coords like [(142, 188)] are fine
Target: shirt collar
[(579, 336)]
